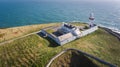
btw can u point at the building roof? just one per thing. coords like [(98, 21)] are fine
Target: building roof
[(65, 36), (69, 26)]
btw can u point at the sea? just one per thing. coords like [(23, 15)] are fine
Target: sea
[(13, 14)]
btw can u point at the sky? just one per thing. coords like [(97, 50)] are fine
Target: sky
[(61, 0)]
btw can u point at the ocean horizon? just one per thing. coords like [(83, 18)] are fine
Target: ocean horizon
[(13, 14)]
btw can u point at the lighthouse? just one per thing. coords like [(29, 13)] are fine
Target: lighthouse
[(91, 19)]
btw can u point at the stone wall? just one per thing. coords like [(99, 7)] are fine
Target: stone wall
[(112, 32), (88, 31), (68, 40)]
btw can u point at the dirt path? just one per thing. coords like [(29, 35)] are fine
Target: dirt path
[(8, 41)]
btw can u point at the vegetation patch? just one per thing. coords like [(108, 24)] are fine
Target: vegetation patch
[(73, 58), (1, 35), (15, 32), (35, 51), (50, 31)]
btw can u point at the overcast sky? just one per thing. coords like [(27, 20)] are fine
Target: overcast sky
[(65, 0)]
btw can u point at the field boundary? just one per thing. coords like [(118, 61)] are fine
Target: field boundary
[(18, 38), (111, 32), (8, 41), (86, 54)]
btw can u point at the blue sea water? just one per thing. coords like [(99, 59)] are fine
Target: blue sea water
[(26, 13)]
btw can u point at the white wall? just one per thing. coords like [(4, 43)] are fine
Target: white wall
[(68, 40), (86, 32), (83, 33)]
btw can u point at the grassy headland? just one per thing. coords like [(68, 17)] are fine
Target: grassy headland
[(35, 51), (72, 58), (10, 33)]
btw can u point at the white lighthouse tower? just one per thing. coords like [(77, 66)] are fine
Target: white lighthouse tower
[(91, 19)]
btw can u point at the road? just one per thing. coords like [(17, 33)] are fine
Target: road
[(18, 38), (8, 41)]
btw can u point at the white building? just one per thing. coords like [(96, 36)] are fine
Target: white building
[(67, 32), (70, 29)]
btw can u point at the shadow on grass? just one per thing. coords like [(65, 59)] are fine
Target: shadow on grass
[(79, 60), (52, 43), (73, 59)]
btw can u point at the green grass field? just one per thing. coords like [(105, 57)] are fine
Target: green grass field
[(73, 58), (11, 33), (34, 51)]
